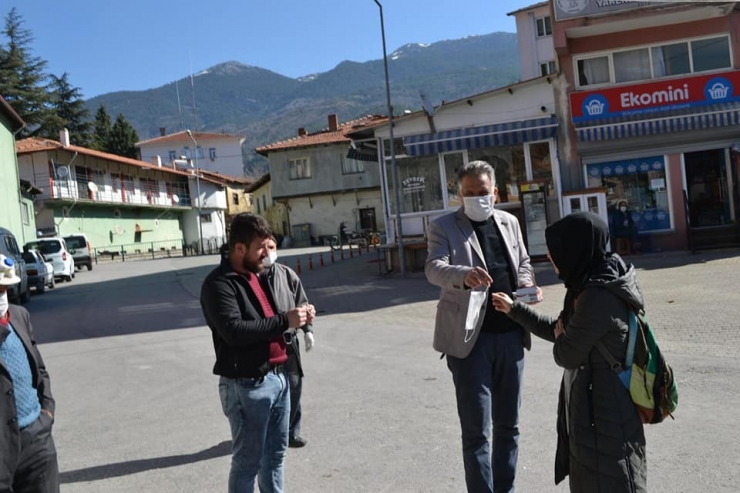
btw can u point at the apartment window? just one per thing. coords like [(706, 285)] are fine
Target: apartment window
[(212, 153), (206, 218), (200, 153), (632, 65), (352, 166), (544, 26), (593, 71), (264, 203), (259, 210), (547, 68), (186, 152), (25, 216), (711, 54), (299, 169), (173, 155), (655, 62), (235, 198)]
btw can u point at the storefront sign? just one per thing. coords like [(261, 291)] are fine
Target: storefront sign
[(413, 184), (570, 9), (626, 167), (655, 97)]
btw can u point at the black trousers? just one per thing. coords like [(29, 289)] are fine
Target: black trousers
[(296, 384), (38, 470)]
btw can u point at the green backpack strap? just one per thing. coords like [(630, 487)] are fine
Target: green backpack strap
[(625, 371)]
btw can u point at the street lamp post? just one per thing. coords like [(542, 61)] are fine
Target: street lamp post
[(197, 187), (394, 165)]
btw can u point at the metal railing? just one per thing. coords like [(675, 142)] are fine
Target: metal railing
[(74, 190), (157, 249)]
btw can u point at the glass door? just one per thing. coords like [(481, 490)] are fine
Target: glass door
[(452, 162), (706, 181)]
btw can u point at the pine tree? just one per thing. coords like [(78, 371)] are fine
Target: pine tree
[(22, 75), (122, 138), (70, 111), (101, 129)]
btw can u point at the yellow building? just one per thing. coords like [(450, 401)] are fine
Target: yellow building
[(261, 203)]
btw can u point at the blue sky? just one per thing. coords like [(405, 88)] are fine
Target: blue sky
[(139, 44)]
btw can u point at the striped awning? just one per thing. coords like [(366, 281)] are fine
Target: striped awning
[(501, 134), (715, 117)]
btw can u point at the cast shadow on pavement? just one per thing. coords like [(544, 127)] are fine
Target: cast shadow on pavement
[(119, 469)]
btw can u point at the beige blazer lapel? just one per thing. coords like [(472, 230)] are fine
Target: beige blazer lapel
[(467, 230), (505, 229)]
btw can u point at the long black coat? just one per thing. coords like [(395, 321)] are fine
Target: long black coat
[(10, 441), (601, 443)]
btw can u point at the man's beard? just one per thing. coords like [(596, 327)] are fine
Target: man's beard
[(254, 267)]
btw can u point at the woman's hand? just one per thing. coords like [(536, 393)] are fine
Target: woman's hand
[(502, 302), (559, 329)]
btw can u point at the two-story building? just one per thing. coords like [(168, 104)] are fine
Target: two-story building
[(262, 204), (322, 184), (115, 201), (652, 107), (217, 152), (537, 56)]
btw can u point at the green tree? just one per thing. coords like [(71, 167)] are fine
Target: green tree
[(101, 129), (122, 138), (69, 110), (22, 77)]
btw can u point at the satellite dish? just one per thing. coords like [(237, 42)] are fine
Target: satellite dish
[(92, 186), (118, 229), (428, 107), (175, 199), (62, 171)]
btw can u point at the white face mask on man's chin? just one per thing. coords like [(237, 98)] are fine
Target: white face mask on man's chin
[(270, 260), (479, 208), (3, 304)]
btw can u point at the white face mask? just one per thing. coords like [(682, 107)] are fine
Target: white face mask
[(270, 260), (3, 304), (623, 208), (478, 209)]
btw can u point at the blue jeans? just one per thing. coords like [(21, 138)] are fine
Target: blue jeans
[(488, 390), (258, 410)]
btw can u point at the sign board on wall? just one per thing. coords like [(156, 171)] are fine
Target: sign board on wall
[(413, 184), (570, 9), (655, 97)]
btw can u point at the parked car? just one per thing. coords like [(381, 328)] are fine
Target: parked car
[(79, 247), (40, 272), (19, 293), (55, 251)]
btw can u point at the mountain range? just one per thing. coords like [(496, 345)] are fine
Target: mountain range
[(265, 106)]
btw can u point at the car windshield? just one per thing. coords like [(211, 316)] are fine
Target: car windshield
[(75, 242), (29, 258), (46, 247)]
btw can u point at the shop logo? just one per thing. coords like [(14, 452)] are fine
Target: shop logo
[(644, 166), (413, 184), (718, 89), (606, 171), (595, 105), (648, 216), (594, 171), (661, 216), (632, 168), (619, 169), (572, 6), (657, 165)]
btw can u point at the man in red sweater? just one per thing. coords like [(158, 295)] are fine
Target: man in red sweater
[(250, 337)]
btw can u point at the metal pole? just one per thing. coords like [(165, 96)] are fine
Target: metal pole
[(394, 165), (197, 187)]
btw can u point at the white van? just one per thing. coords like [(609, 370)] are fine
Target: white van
[(55, 251)]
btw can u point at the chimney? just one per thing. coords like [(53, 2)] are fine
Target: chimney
[(157, 161), (333, 122), (64, 137), (302, 132), (162, 131)]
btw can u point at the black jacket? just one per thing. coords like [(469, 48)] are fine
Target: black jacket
[(601, 442), (241, 333), (10, 435)]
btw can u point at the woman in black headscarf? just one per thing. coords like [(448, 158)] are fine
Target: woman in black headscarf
[(601, 443)]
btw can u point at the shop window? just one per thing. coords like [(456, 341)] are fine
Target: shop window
[(421, 184), (711, 54), (641, 183), (453, 162), (539, 155), (593, 71), (508, 161), (669, 60), (632, 65)]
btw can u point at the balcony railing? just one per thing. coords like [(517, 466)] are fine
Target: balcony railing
[(74, 190)]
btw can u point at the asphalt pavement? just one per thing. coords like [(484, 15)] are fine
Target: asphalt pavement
[(137, 405)]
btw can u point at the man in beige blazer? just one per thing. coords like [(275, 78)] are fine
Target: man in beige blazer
[(474, 252)]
